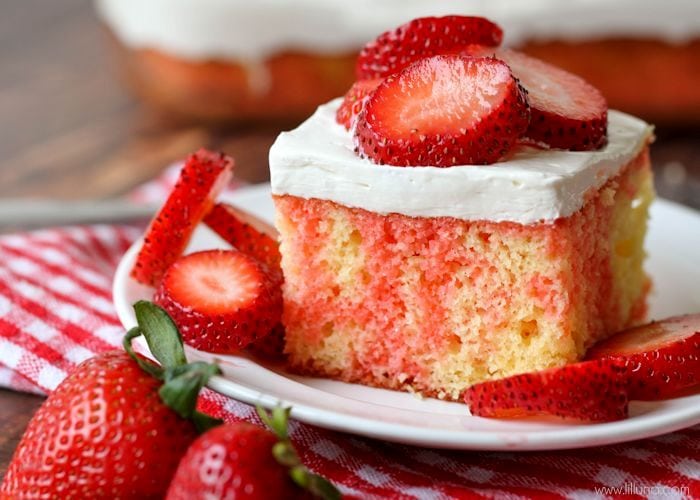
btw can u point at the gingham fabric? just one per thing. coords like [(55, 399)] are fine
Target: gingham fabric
[(56, 311)]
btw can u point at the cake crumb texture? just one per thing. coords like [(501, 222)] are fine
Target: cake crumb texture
[(433, 305)]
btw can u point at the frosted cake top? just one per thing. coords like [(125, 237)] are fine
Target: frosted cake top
[(317, 160)]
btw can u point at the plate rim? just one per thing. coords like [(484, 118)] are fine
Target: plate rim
[(557, 437)]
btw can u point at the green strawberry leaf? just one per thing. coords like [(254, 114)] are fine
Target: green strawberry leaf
[(161, 334), (204, 422), (285, 454), (182, 381), (146, 364), (182, 386), (277, 422), (323, 488)]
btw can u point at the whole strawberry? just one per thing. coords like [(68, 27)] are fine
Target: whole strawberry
[(103, 432), (242, 460), (109, 430), (230, 461)]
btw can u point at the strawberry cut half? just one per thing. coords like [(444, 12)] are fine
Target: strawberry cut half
[(354, 101), (443, 111), (566, 111), (590, 391), (221, 300), (203, 177), (421, 38), (664, 356)]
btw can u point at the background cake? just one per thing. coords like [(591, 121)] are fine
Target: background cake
[(231, 59)]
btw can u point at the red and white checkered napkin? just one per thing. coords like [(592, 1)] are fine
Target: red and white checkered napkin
[(56, 310)]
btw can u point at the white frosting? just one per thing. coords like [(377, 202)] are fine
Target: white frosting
[(317, 160), (254, 29)]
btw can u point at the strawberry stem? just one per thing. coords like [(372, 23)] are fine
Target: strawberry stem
[(278, 421), (182, 386), (285, 454), (182, 380)]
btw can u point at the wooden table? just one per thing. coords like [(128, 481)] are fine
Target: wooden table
[(70, 131)]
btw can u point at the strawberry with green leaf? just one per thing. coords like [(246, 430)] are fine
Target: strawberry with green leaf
[(242, 460), (118, 425)]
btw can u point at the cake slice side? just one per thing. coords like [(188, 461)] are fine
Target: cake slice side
[(434, 304)]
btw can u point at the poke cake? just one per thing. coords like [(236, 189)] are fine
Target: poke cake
[(241, 60), (237, 60), (465, 213)]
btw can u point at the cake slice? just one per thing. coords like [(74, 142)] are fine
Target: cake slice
[(432, 279), (426, 248)]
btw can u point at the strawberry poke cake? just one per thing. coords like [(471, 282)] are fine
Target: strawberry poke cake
[(242, 60), (236, 60), (465, 213), (232, 59)]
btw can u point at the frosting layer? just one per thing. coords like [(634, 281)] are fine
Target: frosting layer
[(254, 29), (317, 160)]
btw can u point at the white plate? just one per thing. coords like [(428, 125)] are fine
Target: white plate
[(673, 242)]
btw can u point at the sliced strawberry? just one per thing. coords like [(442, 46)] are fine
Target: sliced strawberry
[(246, 233), (567, 112), (664, 356), (258, 239), (221, 300), (354, 101), (443, 111), (272, 346), (201, 180), (424, 37), (591, 391)]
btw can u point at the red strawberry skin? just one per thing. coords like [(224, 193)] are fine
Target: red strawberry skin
[(232, 461), (221, 300), (354, 101), (592, 391), (270, 347), (246, 233), (424, 37), (443, 111), (664, 356), (103, 433), (567, 112), (562, 132), (203, 177)]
